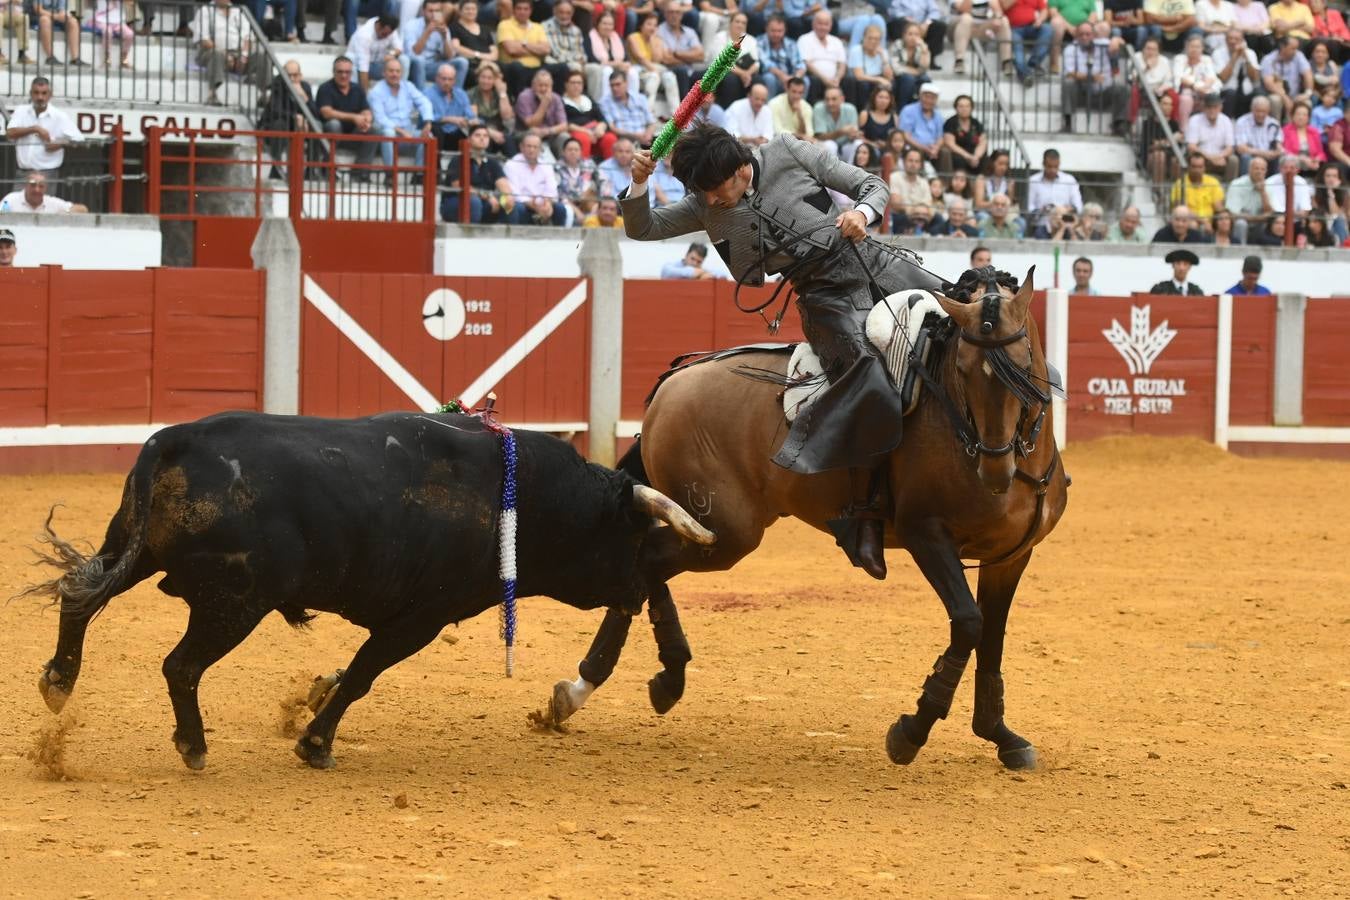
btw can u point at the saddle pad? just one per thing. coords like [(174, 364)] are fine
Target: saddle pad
[(892, 327)]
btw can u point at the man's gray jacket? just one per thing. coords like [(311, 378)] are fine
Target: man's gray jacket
[(788, 198)]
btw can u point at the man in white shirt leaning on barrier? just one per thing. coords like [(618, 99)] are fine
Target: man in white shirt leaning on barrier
[(33, 199), (41, 132)]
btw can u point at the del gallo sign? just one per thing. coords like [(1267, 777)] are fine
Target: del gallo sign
[(1140, 347), (100, 122)]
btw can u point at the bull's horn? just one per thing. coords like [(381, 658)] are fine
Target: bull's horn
[(657, 505)]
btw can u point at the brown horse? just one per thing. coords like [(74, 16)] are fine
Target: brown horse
[(977, 476)]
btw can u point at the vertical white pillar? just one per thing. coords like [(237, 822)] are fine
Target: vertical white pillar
[(1057, 352), (601, 262), (1289, 330), (1223, 370), (276, 250)]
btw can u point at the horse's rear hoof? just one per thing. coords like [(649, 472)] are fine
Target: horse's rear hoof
[(900, 748), (54, 696), (194, 761), (315, 756), (663, 698), (1018, 758)]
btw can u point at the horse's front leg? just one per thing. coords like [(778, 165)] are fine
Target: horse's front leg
[(936, 555), (998, 584)]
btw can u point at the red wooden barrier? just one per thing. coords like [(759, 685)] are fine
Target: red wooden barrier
[(1326, 378), (1252, 395)]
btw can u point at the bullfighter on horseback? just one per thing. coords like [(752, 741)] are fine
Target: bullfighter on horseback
[(769, 210)]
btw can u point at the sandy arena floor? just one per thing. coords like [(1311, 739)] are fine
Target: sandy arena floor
[(1178, 653)]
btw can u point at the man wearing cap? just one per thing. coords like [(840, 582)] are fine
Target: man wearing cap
[(1249, 286), (40, 132), (1210, 133), (921, 123), (34, 199), (1180, 282), (8, 248)]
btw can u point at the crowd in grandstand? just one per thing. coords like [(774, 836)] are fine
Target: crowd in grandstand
[(554, 96)]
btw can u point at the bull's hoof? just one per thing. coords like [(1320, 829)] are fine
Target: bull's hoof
[(322, 689), (899, 747), (561, 707), (662, 695), (310, 749), (1018, 758), (49, 686)]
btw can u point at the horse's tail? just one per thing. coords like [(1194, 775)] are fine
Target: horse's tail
[(631, 463)]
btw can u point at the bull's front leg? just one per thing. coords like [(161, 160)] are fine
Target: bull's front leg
[(593, 670)]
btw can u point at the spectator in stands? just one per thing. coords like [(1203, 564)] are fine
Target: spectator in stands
[(749, 118), (744, 71), (691, 266), (869, 65), (994, 180), (344, 109), (606, 215), (1050, 188), (879, 120), (605, 48), (666, 189), (490, 101), (1090, 225), (285, 113), (711, 113), (958, 222), (1304, 141), (373, 44), (51, 13), (982, 20), (1211, 134), (567, 46), (1175, 18), (471, 40), (584, 121), (1082, 278), (1000, 222), (1180, 283), (1162, 143), (1249, 200), (1289, 18), (1258, 135), (836, 122), (924, 13), (1221, 228), (1325, 72), (1180, 228), (1196, 77), (1329, 202), (1056, 225), (681, 48), (780, 57), (225, 45), (34, 199), (1214, 18), (1126, 230), (1250, 285), (1328, 111), (490, 197), (14, 19), (400, 110), (825, 57), (521, 46), (628, 115), (1240, 73), (1271, 235), (616, 173), (9, 248), (960, 186), (451, 111), (647, 51), (922, 124), (915, 223), (577, 177), (1275, 187), (937, 198), (1089, 82), (1028, 21), (864, 157), (539, 110), (109, 21), (908, 186), (910, 61), (534, 187), (428, 42), (1329, 26), (1253, 20), (1065, 18), (963, 140), (41, 132), (791, 113), (1287, 76), (1315, 234), (1158, 76)]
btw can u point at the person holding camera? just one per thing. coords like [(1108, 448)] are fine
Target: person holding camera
[(1050, 187), (1057, 224)]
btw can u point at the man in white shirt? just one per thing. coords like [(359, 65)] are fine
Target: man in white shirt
[(1239, 71), (1258, 134), (824, 55), (1302, 191), (374, 42), (1050, 187), (40, 132), (1210, 133), (749, 118), (33, 199), (225, 45), (1248, 199)]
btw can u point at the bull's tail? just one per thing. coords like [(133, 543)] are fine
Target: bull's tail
[(88, 581)]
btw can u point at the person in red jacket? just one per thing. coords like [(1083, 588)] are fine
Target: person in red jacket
[(1028, 20)]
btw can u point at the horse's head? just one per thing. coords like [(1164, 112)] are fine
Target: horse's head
[(1003, 402)]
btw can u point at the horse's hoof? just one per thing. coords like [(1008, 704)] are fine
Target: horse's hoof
[(310, 749), (899, 747), (322, 689), (194, 761), (1018, 758), (54, 696), (562, 706), (663, 700)]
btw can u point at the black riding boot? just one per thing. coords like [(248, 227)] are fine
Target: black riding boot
[(861, 530)]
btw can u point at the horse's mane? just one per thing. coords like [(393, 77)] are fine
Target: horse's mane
[(973, 280)]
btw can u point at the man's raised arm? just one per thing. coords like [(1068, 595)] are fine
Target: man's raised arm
[(640, 221)]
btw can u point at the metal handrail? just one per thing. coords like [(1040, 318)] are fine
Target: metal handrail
[(1000, 128), (276, 67), (1136, 75)]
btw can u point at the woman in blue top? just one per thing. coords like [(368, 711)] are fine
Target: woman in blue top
[(869, 66)]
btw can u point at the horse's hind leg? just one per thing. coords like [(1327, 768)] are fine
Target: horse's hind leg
[(997, 586), (937, 559)]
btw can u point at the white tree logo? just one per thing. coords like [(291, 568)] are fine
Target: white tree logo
[(1140, 346)]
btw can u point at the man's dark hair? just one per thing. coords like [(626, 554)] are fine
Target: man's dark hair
[(475, 127), (389, 20), (39, 81), (1193, 155), (1050, 154), (1084, 259), (794, 81), (909, 150), (571, 140), (776, 17), (706, 156), (344, 59), (978, 250), (700, 249)]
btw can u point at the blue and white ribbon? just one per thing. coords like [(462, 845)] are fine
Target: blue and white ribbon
[(507, 551)]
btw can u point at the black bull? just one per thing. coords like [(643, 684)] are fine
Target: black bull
[(390, 522)]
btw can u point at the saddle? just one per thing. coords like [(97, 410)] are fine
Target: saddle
[(901, 329)]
